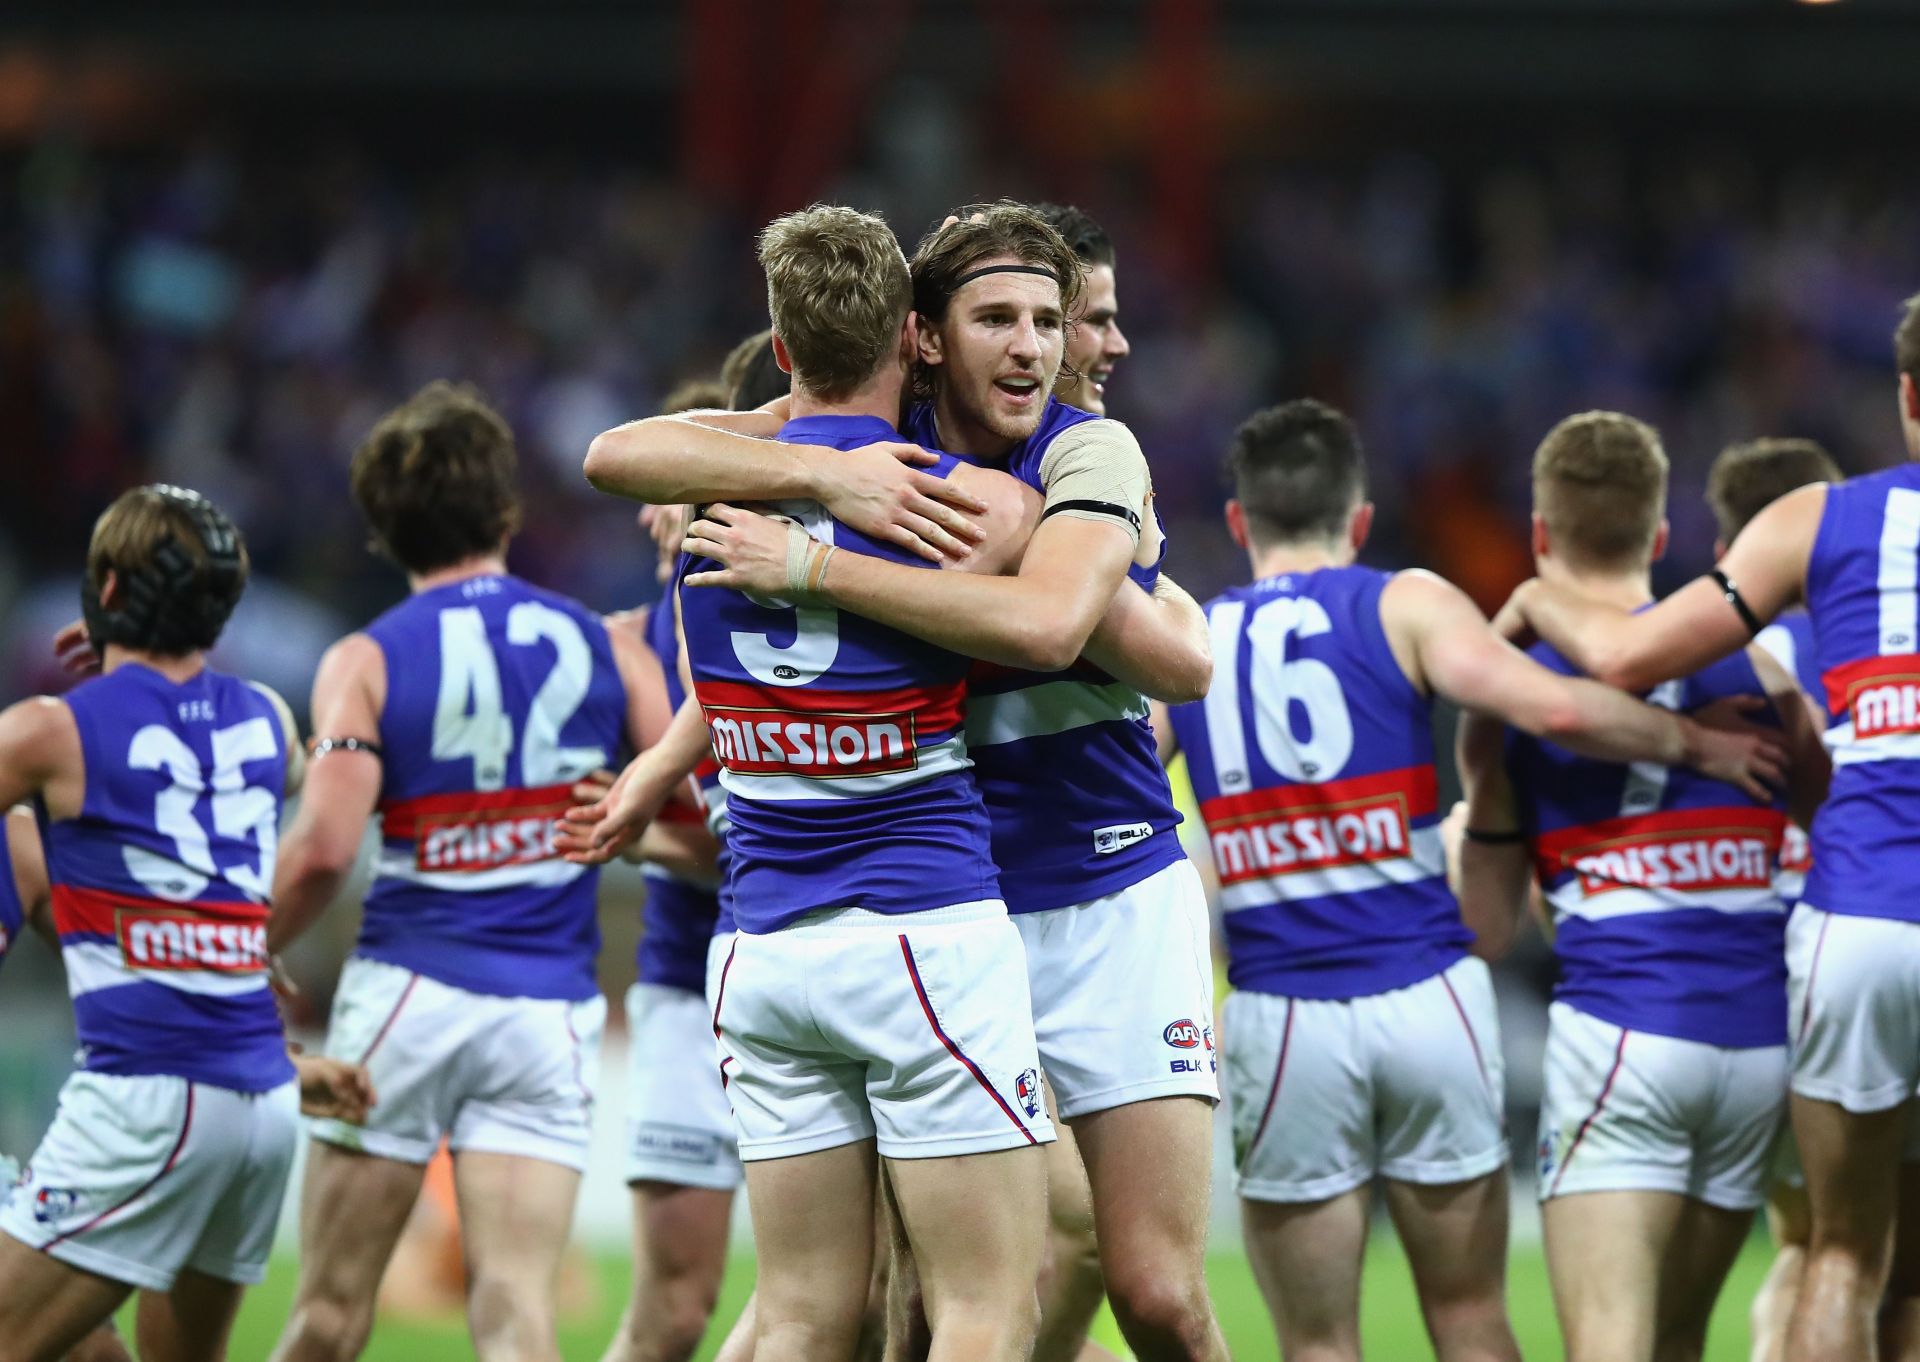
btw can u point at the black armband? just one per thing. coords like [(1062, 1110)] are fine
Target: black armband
[(322, 746), (1494, 839), (1737, 601), (1112, 508)]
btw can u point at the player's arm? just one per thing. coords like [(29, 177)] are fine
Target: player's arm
[(342, 788), (1809, 766), (1700, 623), (289, 735), (648, 711), (30, 878), (1488, 867), (40, 754), (593, 834), (1157, 643), (1446, 647), (730, 456)]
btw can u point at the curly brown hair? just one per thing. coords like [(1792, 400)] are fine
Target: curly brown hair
[(436, 479)]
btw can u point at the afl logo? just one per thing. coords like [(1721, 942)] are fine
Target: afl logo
[(786, 673), (1182, 1035)]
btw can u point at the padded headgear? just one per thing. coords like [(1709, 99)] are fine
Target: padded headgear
[(173, 605)]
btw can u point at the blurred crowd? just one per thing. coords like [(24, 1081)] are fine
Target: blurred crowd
[(236, 322)]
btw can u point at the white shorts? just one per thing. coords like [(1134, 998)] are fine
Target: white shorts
[(139, 1177), (1853, 994), (1123, 994), (850, 1025), (1326, 1094), (1629, 1111), (492, 1074), (679, 1129)]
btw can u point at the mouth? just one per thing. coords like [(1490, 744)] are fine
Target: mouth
[(1097, 378), (1019, 389)]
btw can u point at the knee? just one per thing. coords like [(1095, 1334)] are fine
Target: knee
[(328, 1330), (504, 1310), (685, 1308), (1163, 1306), (1471, 1325)]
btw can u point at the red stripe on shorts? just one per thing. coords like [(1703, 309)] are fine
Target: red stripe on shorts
[(1280, 1067), (1813, 972), (387, 1025), (913, 972), (1619, 1054), (720, 998)]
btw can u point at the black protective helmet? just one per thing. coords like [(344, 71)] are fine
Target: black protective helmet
[(172, 604)]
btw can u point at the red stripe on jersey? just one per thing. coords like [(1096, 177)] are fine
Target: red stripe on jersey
[(1880, 694), (934, 707), (468, 831), (406, 819), (153, 934), (1287, 828), (1692, 850)]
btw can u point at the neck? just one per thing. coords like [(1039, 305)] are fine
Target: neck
[(960, 433), (879, 397), (1627, 588), (176, 668), (1274, 560), (480, 565)]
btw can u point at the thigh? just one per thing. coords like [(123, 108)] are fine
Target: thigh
[(126, 1178), (515, 1215), (47, 1306), (1604, 1255), (976, 1223), (681, 1232), (679, 1128), (1610, 1109), (525, 1086), (1455, 1236), (1440, 1085), (408, 1031), (945, 1029), (1851, 1160), (1854, 1008), (353, 1207), (1158, 1220), (190, 1323), (1123, 994), (1705, 1243), (1300, 1097), (238, 1239), (813, 1236), (1307, 1259)]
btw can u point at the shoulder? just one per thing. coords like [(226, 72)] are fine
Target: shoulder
[(1091, 440), (1410, 593), (40, 735), (357, 655)]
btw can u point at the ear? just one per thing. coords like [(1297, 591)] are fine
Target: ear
[(781, 357), (1237, 521), (1360, 526), (1541, 545), (1909, 398), (927, 334), (1719, 548), (910, 338), (110, 590), (1660, 541)]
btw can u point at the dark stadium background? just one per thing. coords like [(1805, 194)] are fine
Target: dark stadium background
[(229, 237)]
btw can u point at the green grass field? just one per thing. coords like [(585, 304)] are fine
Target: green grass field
[(1392, 1318)]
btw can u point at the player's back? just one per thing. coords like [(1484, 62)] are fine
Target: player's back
[(500, 696), (160, 884), (1065, 760), (1660, 880), (1860, 584), (1312, 758), (839, 740)]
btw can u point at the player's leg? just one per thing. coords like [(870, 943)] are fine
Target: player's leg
[(682, 1169), (1900, 1303), (1705, 1244), (813, 1232), (190, 1323), (516, 1212), (1306, 1258), (1604, 1252), (353, 1207), (1789, 1224), (977, 1232), (1125, 990), (1071, 1286), (104, 1344), (907, 1336), (738, 1344), (46, 1306), (1455, 1236), (679, 1257), (1440, 1095), (1851, 1160)]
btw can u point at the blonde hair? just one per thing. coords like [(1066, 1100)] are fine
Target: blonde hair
[(837, 291), (1600, 484)]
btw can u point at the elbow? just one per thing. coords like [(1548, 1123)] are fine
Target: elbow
[(1623, 672), (1192, 678), (612, 463), (1563, 719), (1042, 641)]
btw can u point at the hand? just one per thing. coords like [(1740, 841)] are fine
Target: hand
[(75, 651), (594, 833), (1511, 623), (752, 548), (668, 526), (593, 787), (1724, 744), (877, 490), (333, 1088), (1152, 537)]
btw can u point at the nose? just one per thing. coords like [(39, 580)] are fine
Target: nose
[(1025, 343), (1117, 343)]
